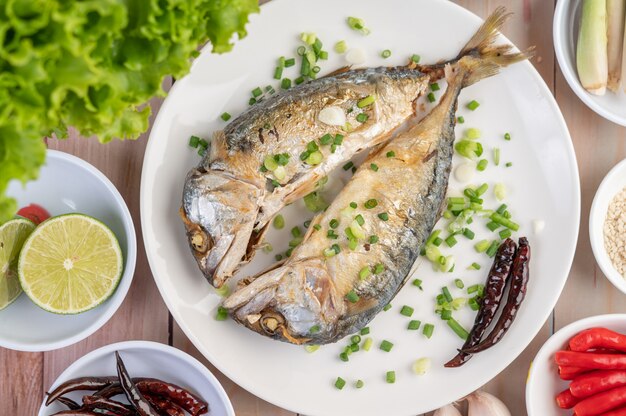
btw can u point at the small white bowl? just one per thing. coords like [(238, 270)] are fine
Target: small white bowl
[(146, 359), (543, 378), (68, 184), (611, 185), (611, 106)]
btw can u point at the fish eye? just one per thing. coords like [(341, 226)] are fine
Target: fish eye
[(271, 321), (199, 241)]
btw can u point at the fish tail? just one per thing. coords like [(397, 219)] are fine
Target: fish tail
[(480, 57)]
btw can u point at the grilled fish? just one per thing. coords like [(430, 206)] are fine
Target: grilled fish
[(230, 198), (348, 269)]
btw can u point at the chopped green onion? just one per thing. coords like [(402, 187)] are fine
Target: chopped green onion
[(459, 283), (469, 234), (493, 248), (315, 158), (296, 232), (446, 293), (194, 141), (332, 234), (506, 233), (357, 24), (362, 117), (285, 83), (355, 339), (326, 139), (496, 156), (311, 348), (341, 46), (354, 347), (359, 384), (222, 314), (415, 58), (387, 307), (475, 266), (473, 304), (421, 366), (348, 166), (499, 191), (390, 377), (344, 356), (446, 314), (252, 101), (374, 167), (508, 164), (407, 311), (383, 216), (280, 173), (386, 53), (472, 133), (391, 153), (317, 227), (500, 219), (334, 223), (329, 252), (314, 202), (431, 97), (365, 330), (373, 239), (468, 148), (473, 105), (437, 242), (507, 136), (460, 119), (481, 189), (308, 38), (299, 80), (278, 72), (279, 222), (364, 273), (257, 92), (474, 289), (290, 62), (278, 257), (434, 86), (352, 297), (451, 241), (367, 344), (225, 116), (314, 329), (386, 345), (414, 325), (482, 165), (359, 219), (457, 328), (428, 330), (492, 226), (482, 246), (371, 203), (418, 283), (340, 383), (364, 102), (316, 69)]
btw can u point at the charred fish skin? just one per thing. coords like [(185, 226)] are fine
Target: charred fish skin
[(284, 124), (319, 296)]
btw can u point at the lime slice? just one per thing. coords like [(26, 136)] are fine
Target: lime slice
[(12, 237), (70, 264)]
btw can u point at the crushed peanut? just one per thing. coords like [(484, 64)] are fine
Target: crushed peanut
[(615, 232)]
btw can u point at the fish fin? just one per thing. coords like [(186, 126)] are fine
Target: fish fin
[(244, 294), (486, 34), (361, 306)]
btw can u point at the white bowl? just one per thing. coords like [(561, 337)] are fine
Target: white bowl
[(68, 184), (146, 359), (543, 379), (611, 185), (611, 106)]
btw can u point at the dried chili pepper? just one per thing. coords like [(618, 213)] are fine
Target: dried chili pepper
[(591, 360), (164, 406), (101, 403), (82, 412), (494, 288), (595, 338), (517, 293), (82, 383), (596, 382), (176, 394), (133, 394), (69, 403)]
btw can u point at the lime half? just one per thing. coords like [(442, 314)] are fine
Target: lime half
[(70, 264), (12, 236)]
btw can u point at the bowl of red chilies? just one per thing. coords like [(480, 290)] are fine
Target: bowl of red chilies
[(581, 370), (136, 378)]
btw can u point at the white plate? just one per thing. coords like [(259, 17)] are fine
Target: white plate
[(611, 106), (68, 184), (146, 359), (543, 184), (543, 379)]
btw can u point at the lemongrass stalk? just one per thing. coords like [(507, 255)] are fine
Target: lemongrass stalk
[(591, 51), (615, 34)]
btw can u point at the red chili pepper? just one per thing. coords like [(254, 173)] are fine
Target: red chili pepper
[(601, 402), (570, 373), (35, 213), (565, 400), (617, 412), (591, 360), (598, 338), (596, 382)]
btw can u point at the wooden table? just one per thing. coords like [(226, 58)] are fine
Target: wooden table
[(599, 145)]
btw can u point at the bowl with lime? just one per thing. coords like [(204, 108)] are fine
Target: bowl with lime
[(67, 259)]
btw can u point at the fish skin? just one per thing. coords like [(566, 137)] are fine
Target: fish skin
[(284, 123), (309, 290)]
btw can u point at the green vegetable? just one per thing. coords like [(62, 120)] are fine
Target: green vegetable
[(386, 345), (390, 377), (481, 165), (468, 148), (387, 307), (279, 222), (431, 97), (407, 311), (364, 102), (359, 384), (341, 47), (222, 314), (591, 49), (367, 344), (225, 116), (362, 117), (457, 328), (417, 283), (414, 325), (386, 53), (352, 297), (421, 366), (390, 153), (358, 24), (365, 331), (314, 202), (473, 105), (415, 58), (428, 330), (340, 383), (311, 348)]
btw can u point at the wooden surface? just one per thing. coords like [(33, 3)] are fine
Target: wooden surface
[(599, 145)]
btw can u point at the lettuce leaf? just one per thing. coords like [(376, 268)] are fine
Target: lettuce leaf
[(93, 64)]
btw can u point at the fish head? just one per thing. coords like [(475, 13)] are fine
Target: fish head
[(295, 303), (219, 213)]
